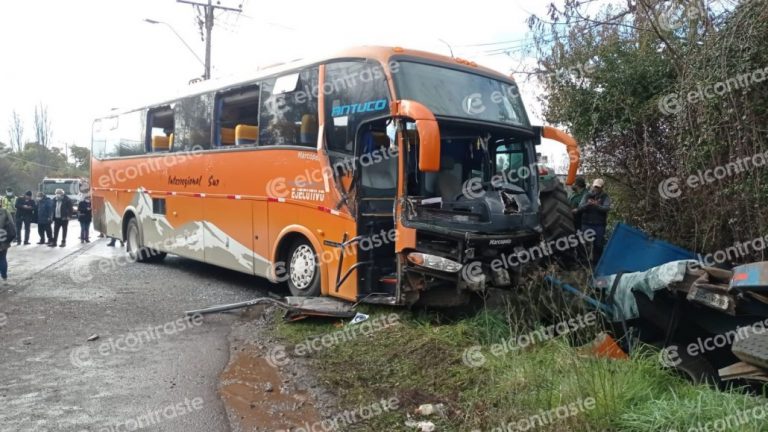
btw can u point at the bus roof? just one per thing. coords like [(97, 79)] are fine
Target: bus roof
[(383, 54)]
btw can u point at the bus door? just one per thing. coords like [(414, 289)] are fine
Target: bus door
[(356, 105), (377, 190)]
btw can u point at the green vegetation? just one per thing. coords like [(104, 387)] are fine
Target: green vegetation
[(654, 89), (421, 360), (24, 162)]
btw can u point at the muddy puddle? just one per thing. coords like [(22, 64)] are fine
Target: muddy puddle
[(261, 399)]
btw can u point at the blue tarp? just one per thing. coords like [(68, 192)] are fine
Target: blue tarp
[(631, 250)]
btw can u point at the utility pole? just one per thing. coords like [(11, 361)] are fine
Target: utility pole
[(208, 30), (209, 8)]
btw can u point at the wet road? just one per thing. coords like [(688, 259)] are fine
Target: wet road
[(149, 367)]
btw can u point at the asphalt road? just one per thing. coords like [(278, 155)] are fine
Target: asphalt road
[(149, 368)]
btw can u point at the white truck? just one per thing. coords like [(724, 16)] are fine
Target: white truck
[(75, 188)]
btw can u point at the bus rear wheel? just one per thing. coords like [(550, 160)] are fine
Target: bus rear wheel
[(135, 249), (303, 270)]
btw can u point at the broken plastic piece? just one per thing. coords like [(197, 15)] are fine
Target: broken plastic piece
[(423, 426), (429, 409), (358, 318), (604, 346)]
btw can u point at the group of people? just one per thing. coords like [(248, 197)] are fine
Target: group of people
[(18, 213), (45, 212), (590, 209)]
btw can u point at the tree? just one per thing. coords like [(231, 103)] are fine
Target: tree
[(43, 129), (633, 114), (16, 132), (82, 157)]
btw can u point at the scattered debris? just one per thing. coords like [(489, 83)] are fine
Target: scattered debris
[(296, 308), (429, 409), (304, 307), (359, 317), (710, 323), (422, 426), (743, 371), (604, 346)]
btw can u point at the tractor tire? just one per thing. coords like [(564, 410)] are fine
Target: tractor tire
[(555, 214)]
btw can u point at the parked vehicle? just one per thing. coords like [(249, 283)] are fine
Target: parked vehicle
[(74, 188)]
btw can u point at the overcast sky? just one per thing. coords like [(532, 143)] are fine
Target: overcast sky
[(84, 57)]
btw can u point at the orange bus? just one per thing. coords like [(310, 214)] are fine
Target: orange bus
[(344, 176)]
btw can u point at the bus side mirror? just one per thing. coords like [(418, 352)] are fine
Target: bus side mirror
[(426, 127), (566, 139)]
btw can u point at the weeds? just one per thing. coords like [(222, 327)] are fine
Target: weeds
[(422, 360)]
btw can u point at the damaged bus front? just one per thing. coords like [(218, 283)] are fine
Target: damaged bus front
[(467, 186)]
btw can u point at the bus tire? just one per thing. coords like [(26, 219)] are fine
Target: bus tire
[(136, 250), (303, 269)]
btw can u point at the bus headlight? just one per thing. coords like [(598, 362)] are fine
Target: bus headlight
[(434, 262)]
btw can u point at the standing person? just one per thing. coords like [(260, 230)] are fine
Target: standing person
[(7, 234), (44, 218), (84, 216), (579, 189), (25, 214), (8, 202), (62, 211), (594, 210)]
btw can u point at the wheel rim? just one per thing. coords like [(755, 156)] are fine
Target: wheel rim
[(302, 267)]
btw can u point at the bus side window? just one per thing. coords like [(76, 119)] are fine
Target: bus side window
[(237, 122), (160, 128), (289, 109), (193, 120)]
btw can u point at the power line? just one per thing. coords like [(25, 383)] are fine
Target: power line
[(492, 43)]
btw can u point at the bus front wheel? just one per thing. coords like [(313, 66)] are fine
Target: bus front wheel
[(303, 270), (135, 249)]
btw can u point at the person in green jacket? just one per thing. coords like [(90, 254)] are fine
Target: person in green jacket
[(8, 202), (579, 189)]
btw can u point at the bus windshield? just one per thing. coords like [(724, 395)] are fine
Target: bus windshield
[(453, 93)]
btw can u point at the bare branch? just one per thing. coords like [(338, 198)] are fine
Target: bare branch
[(16, 132), (43, 129)]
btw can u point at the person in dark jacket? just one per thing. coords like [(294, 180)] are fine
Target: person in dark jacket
[(62, 211), (594, 210), (25, 214), (579, 189), (7, 234), (84, 216), (44, 218)]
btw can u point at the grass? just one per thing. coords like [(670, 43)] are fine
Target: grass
[(420, 360)]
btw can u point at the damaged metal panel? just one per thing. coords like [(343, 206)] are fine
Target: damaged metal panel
[(752, 277), (751, 345)]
